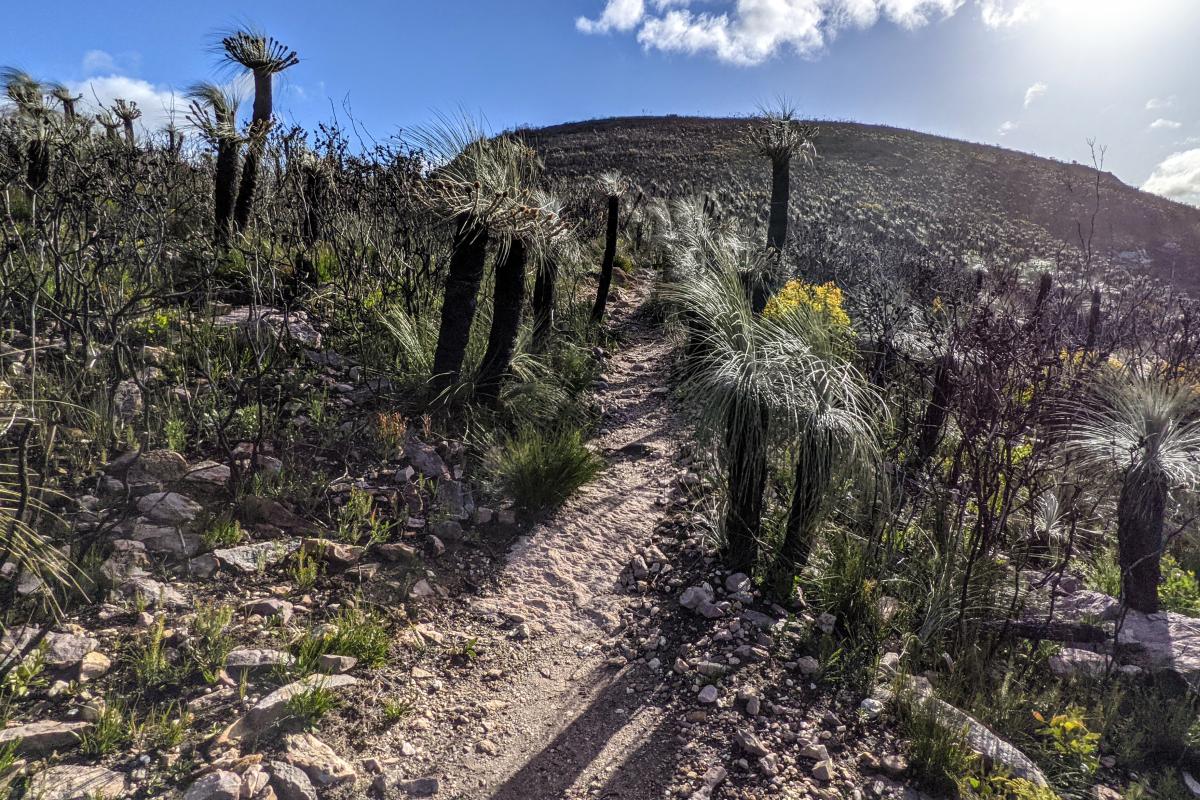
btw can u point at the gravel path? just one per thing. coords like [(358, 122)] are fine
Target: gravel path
[(569, 722)]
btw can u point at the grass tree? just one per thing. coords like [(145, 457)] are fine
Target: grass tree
[(264, 58), (508, 299), (110, 124), (1144, 432), (780, 137), (613, 185), (25, 93), (551, 255), (127, 112), (481, 185), (737, 366), (67, 99), (832, 411), (214, 113)]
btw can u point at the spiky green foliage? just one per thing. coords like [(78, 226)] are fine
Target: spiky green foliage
[(541, 468), (780, 135), (743, 368), (22, 90), (1143, 432)]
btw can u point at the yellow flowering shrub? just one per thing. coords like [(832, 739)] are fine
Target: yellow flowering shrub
[(823, 299)]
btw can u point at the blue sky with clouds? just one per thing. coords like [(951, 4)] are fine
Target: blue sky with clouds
[(1035, 75)]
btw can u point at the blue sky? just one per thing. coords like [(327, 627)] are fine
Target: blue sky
[(1035, 75)]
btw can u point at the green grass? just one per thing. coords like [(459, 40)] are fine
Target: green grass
[(223, 532), (149, 660), (539, 468), (353, 632), (309, 706), (110, 732), (211, 641)]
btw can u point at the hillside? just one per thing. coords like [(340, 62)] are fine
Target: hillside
[(894, 182)]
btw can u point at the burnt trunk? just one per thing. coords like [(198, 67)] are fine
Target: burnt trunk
[(508, 298), (746, 456), (260, 123), (1140, 513), (458, 303), (812, 479), (249, 184), (610, 258), (129, 140), (781, 189), (543, 303), (225, 186)]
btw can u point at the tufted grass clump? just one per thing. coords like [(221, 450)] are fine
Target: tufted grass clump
[(541, 468), (353, 632)]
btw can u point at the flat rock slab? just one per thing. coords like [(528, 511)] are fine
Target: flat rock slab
[(219, 785), (318, 760), (46, 736), (246, 660), (271, 708), (252, 558), (77, 783), (169, 508), (1164, 642), (977, 736), (63, 650), (154, 593), (263, 321)]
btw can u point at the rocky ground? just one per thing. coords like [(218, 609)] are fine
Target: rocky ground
[(602, 652)]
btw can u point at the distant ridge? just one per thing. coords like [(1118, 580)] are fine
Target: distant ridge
[(892, 182)]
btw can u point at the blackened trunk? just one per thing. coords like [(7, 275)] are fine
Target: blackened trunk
[(610, 258), (37, 171), (934, 419), (508, 298), (1093, 326), (225, 186), (813, 476), (1140, 513), (129, 140), (746, 454), (311, 228), (458, 303), (781, 190), (260, 123), (245, 195), (543, 303)]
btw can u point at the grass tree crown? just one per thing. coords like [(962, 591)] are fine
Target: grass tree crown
[(490, 181), (213, 111), (778, 134)]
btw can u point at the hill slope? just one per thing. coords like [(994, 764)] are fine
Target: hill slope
[(894, 183)]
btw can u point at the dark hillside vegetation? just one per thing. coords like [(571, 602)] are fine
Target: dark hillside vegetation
[(896, 184)]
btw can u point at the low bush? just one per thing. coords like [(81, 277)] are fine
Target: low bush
[(540, 469)]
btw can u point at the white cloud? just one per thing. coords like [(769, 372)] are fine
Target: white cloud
[(1008, 127), (1165, 124), (1178, 177), (618, 15), (95, 61), (1009, 13), (749, 32), (156, 102), (1035, 92), (1161, 103)]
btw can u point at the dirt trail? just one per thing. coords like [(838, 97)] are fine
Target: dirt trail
[(566, 720)]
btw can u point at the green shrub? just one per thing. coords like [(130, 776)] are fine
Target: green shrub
[(110, 731), (149, 660), (223, 532), (211, 641), (353, 632), (312, 704), (540, 469)]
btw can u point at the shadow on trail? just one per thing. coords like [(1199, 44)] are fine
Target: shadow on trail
[(644, 772)]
